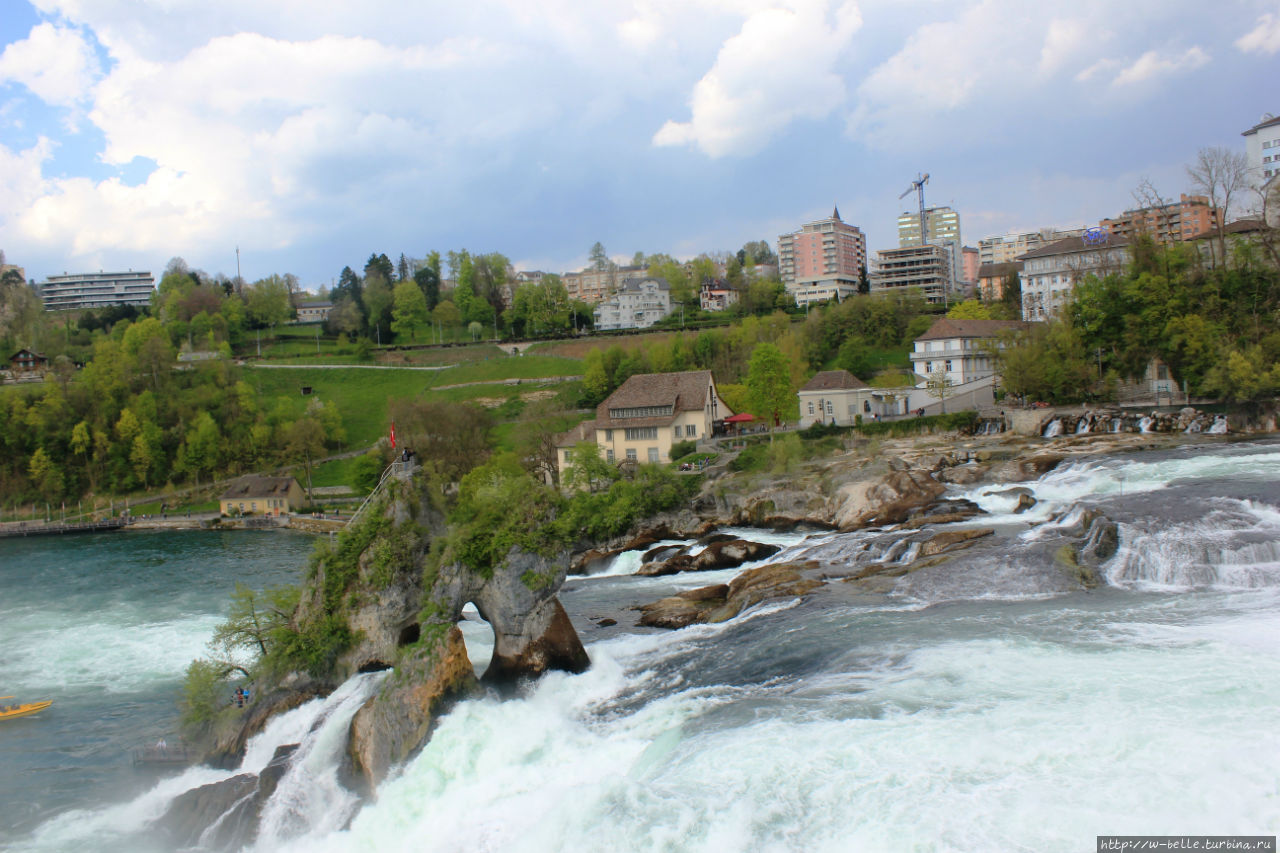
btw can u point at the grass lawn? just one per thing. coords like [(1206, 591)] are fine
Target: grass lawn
[(506, 367)]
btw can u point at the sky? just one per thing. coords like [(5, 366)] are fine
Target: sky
[(310, 134)]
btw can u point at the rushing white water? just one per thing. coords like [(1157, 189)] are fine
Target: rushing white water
[(1219, 426), (1082, 426), (983, 704), (1053, 429), (1144, 425)]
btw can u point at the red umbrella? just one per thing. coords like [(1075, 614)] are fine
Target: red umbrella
[(740, 419)]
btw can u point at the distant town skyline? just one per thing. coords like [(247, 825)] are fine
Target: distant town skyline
[(312, 136)]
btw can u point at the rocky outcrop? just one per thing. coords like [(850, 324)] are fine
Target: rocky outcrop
[(227, 811), (890, 500), (720, 554), (228, 745), (722, 602), (391, 726)]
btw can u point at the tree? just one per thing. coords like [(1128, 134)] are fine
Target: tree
[(769, 384), (378, 301), (599, 258), (269, 302), (589, 470), (45, 474), (449, 438), (428, 278), (255, 620), (410, 312), (939, 385), (202, 446), (304, 442), (475, 328), (970, 309), (447, 315), (1219, 173)]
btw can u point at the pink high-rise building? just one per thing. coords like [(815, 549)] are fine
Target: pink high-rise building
[(823, 260)]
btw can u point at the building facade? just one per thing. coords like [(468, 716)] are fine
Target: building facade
[(925, 267), (1262, 149), (96, 290), (647, 414), (1050, 273), (717, 297), (638, 304), (594, 286), (961, 349), (824, 260), (1167, 223), (1009, 247), (992, 278), (838, 397), (313, 311), (257, 495), (942, 225)]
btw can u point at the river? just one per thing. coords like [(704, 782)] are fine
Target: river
[(982, 704)]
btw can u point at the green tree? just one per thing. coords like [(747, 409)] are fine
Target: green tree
[(304, 443), (410, 312), (771, 395), (970, 309), (269, 302), (938, 384), (45, 474), (202, 446)]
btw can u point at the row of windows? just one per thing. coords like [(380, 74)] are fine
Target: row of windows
[(640, 433), (642, 412), (1275, 143), (631, 454)]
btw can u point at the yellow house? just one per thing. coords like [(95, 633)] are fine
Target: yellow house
[(256, 495), (648, 413)]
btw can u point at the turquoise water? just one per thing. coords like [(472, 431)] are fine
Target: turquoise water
[(104, 625)]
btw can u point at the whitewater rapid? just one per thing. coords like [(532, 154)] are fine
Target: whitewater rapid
[(984, 704)]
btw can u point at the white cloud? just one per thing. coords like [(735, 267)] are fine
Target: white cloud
[(55, 63), (1151, 64), (1263, 38), (1063, 42), (778, 68)]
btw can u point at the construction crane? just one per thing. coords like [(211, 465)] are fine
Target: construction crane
[(918, 186)]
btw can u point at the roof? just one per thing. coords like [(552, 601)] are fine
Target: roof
[(1268, 120), (585, 431), (685, 392), (1240, 226), (1074, 244), (834, 380), (999, 270), (28, 352), (945, 328), (254, 486)]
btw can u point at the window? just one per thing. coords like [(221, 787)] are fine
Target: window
[(866, 405), (608, 435), (948, 365), (608, 454), (811, 407), (691, 430), (566, 456), (653, 454), (639, 433), (830, 410), (631, 454), (675, 433)]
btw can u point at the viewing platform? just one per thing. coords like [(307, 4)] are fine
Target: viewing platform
[(40, 528)]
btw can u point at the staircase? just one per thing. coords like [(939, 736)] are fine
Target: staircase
[(397, 471)]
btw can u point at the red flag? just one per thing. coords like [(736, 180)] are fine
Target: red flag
[(393, 435)]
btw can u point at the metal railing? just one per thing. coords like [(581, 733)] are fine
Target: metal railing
[(396, 470)]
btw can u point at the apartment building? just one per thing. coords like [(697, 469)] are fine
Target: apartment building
[(1050, 273), (824, 260), (942, 225), (1006, 248), (961, 349), (638, 304), (96, 290), (1168, 223), (1262, 148), (593, 286)]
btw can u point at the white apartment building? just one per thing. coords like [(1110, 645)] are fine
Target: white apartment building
[(1050, 273), (638, 304), (959, 348), (1262, 148), (96, 290)]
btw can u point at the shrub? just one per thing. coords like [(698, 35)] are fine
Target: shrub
[(681, 449)]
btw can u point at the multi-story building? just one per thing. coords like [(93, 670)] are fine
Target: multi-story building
[(638, 304), (312, 310), (96, 290), (960, 349), (1008, 247), (1050, 273), (1262, 148), (593, 286), (716, 296), (646, 415), (824, 260), (942, 225), (992, 278), (1168, 223), (925, 267)]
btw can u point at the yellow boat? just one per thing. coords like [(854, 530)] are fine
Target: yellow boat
[(24, 710)]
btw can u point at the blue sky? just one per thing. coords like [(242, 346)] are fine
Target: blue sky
[(133, 131)]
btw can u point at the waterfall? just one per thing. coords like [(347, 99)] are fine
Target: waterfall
[(1219, 426), (1053, 429), (1117, 425), (309, 799), (1082, 426), (1194, 426), (1144, 425)]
